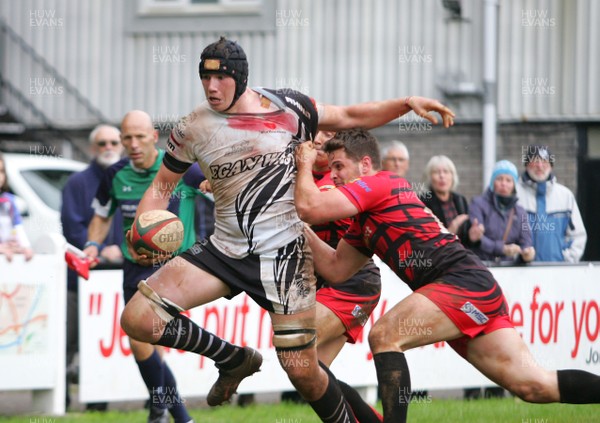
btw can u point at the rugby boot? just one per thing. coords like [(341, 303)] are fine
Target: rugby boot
[(228, 381)]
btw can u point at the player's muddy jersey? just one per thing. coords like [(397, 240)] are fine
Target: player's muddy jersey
[(394, 224), (330, 232), (249, 161)]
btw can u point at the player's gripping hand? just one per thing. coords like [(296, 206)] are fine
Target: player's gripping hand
[(422, 106), (306, 155), (205, 187), (143, 259)]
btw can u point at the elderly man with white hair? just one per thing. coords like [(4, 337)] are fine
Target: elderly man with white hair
[(105, 148), (557, 228), (396, 158)]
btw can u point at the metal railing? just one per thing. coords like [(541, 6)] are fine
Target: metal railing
[(36, 111), (37, 58)]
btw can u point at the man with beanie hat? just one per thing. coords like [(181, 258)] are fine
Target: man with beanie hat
[(507, 235), (554, 218), (244, 140)]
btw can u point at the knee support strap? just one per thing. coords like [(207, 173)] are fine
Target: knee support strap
[(293, 339), (164, 308)]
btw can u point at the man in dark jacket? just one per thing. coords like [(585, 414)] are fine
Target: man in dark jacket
[(75, 215)]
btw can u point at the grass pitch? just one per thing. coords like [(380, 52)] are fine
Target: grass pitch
[(434, 411)]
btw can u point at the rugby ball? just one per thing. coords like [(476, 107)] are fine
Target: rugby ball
[(156, 232)]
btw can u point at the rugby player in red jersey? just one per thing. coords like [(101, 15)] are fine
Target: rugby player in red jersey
[(455, 297), (343, 309)]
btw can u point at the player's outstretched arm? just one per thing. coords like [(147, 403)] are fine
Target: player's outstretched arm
[(376, 113), (313, 205), (159, 192), (336, 266)]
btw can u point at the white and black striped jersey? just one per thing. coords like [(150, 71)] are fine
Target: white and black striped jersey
[(249, 161)]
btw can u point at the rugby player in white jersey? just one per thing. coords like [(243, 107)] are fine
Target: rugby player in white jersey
[(244, 141)]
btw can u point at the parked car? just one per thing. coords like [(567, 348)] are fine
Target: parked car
[(37, 182)]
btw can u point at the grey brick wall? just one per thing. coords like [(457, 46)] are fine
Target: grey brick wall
[(462, 143)]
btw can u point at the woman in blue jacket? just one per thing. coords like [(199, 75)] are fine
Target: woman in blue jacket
[(507, 236)]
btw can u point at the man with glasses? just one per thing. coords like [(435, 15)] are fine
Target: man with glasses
[(396, 158), (76, 213)]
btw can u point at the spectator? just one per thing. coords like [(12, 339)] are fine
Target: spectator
[(13, 239), (76, 213), (507, 236), (396, 158), (122, 188), (450, 207), (556, 224)]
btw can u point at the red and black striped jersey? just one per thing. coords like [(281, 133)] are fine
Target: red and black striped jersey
[(368, 280), (330, 232), (396, 226)]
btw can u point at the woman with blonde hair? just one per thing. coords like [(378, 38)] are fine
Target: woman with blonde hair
[(451, 208)]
